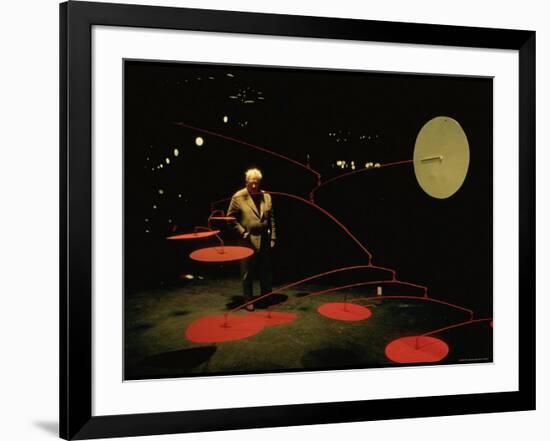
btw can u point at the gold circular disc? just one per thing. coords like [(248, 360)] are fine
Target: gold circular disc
[(441, 157)]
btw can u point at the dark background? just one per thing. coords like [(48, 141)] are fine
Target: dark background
[(317, 117)]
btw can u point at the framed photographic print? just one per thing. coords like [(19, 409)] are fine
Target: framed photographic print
[(337, 213)]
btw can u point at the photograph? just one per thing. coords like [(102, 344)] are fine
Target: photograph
[(281, 219)]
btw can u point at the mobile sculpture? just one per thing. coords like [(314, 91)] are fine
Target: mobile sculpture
[(441, 159)]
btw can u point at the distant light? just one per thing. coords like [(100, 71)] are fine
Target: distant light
[(154, 207), (146, 220), (169, 221), (225, 119), (179, 195), (199, 141), (176, 152), (377, 165), (167, 160), (161, 166), (161, 191), (147, 231), (230, 75), (338, 163), (189, 276)]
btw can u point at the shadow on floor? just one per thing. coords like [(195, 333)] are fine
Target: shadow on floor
[(329, 357), (271, 300), (184, 358)]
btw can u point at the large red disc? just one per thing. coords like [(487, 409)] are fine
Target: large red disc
[(344, 311), (221, 254), (222, 218), (215, 328), (274, 318), (417, 349), (195, 235)]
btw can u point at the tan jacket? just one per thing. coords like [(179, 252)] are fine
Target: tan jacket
[(251, 224)]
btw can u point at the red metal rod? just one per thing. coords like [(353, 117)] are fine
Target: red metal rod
[(326, 213), (468, 322), (386, 269), (342, 287), (343, 175), (429, 299), (456, 326), (322, 210), (307, 279), (213, 204), (254, 146)]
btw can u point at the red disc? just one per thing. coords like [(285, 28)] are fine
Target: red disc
[(344, 311), (221, 254), (274, 318), (195, 235), (215, 328), (417, 349)]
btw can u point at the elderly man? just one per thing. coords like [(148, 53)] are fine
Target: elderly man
[(255, 223)]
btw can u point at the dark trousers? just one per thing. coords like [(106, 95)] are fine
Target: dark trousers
[(258, 265)]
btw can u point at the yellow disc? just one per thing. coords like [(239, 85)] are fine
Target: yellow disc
[(441, 157)]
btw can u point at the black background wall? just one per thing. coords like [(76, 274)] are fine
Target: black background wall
[(314, 117)]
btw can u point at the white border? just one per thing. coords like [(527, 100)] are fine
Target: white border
[(112, 396)]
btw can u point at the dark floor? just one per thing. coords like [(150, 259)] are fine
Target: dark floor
[(156, 347)]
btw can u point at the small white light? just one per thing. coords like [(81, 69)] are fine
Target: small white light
[(199, 141)]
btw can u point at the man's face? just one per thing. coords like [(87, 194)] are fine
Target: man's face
[(253, 185)]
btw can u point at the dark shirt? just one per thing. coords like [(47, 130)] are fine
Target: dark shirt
[(257, 198)]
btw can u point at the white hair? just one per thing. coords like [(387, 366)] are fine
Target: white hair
[(253, 173)]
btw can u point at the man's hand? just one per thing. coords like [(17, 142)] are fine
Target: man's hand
[(272, 243)]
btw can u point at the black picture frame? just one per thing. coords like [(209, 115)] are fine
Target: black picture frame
[(76, 21)]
